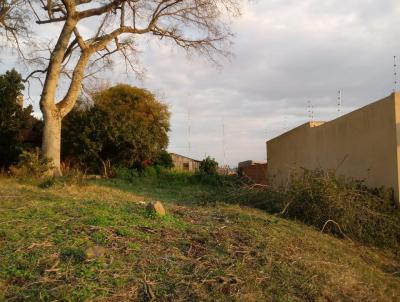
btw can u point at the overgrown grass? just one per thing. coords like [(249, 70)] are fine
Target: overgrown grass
[(179, 187), (212, 252), (345, 207), (336, 205)]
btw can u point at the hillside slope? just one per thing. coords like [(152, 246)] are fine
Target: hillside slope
[(97, 243)]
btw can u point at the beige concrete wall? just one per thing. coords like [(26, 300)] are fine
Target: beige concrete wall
[(363, 144)]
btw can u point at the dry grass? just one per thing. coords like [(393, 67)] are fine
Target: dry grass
[(218, 253), (337, 205)]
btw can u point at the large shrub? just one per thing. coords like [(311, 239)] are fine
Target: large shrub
[(208, 166), (83, 137), (125, 126), (18, 129), (333, 204), (31, 164), (164, 159), (345, 207)]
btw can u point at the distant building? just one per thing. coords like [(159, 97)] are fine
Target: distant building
[(183, 163), (254, 170), (364, 145), (226, 170)]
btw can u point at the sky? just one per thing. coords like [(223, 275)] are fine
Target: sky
[(287, 54)]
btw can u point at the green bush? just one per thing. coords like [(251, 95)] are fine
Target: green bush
[(208, 166), (125, 126), (165, 176), (31, 164), (164, 159), (149, 171), (126, 173)]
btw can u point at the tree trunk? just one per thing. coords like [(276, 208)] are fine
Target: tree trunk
[(51, 145)]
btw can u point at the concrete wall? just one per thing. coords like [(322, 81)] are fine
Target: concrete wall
[(363, 144)]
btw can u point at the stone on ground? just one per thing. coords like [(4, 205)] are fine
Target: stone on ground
[(95, 252), (156, 207)]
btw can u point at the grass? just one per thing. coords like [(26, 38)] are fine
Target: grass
[(340, 206), (96, 242)]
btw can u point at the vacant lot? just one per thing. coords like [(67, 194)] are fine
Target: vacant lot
[(96, 242)]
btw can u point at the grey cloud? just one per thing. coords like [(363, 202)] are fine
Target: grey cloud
[(287, 52)]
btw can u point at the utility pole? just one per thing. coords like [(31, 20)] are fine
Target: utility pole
[(223, 139)]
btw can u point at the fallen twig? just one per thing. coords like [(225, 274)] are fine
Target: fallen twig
[(148, 289)]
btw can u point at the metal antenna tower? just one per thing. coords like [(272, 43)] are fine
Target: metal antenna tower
[(189, 124), (339, 101), (223, 128), (223, 139), (312, 113), (309, 110), (394, 73)]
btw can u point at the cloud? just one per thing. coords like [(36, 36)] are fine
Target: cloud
[(287, 52)]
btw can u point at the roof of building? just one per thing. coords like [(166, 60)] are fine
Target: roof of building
[(184, 157), (251, 162)]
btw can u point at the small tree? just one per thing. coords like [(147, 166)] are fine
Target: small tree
[(16, 122), (125, 126), (208, 166)]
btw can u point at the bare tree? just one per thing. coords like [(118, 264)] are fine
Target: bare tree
[(115, 25), (13, 19)]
